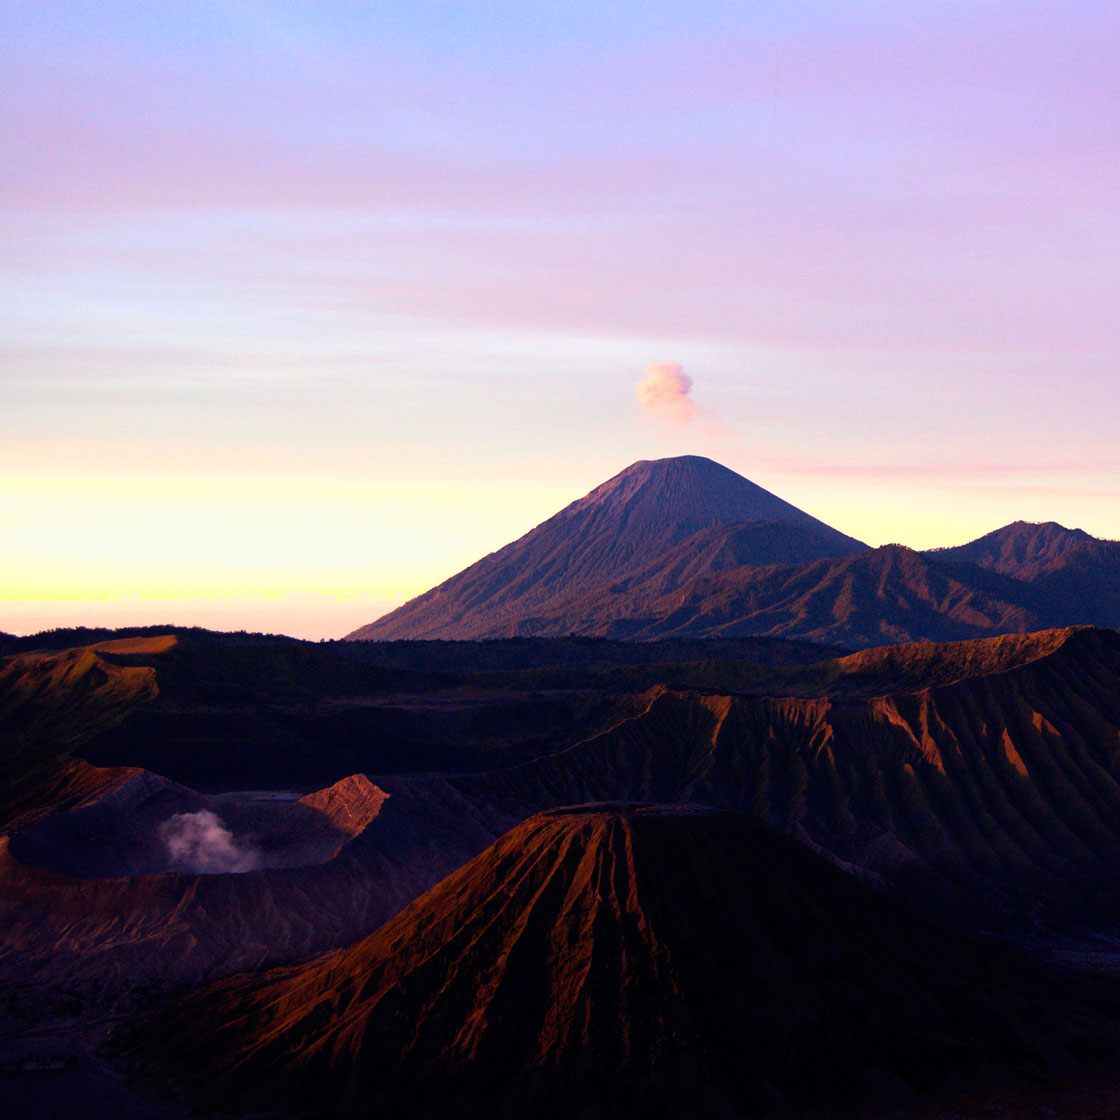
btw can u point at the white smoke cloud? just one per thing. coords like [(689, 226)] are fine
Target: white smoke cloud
[(663, 393), (201, 843)]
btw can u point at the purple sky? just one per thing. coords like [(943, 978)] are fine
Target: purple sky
[(304, 306)]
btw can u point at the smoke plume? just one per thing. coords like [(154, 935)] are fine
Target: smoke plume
[(201, 843), (663, 393)]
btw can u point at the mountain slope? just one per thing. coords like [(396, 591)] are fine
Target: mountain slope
[(620, 527), (684, 548), (51, 704), (981, 779), (1020, 549), (878, 596), (638, 960), (1075, 576)]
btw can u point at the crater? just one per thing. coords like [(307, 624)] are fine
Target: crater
[(153, 826)]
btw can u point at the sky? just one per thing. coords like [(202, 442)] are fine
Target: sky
[(305, 306)]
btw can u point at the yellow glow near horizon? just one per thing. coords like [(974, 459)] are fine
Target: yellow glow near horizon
[(941, 512), (299, 615), (96, 538), (319, 556)]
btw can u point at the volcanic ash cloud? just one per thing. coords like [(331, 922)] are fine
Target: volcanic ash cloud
[(663, 393), (201, 843)]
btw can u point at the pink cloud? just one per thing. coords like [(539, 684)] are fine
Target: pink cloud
[(663, 393), (865, 184)]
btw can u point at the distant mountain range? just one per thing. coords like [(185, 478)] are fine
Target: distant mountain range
[(686, 548), (644, 518)]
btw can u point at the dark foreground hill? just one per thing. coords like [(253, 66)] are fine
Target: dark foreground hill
[(628, 961)]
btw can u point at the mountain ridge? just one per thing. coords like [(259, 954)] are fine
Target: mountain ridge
[(1020, 548), (981, 780), (651, 506), (685, 548)]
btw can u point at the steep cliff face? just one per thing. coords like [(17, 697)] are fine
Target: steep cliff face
[(981, 779), (634, 959)]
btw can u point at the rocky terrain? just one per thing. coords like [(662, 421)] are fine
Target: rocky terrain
[(190, 809)]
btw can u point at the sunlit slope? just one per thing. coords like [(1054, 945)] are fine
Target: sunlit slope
[(50, 705), (639, 960)]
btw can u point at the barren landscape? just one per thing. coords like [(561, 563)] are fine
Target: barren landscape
[(561, 561), (532, 876)]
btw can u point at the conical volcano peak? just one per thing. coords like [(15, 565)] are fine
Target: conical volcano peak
[(690, 492), (674, 471), (622, 529)]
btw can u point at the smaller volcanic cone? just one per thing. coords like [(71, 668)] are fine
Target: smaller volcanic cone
[(637, 960)]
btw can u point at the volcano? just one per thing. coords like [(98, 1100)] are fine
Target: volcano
[(686, 549), (625, 960), (609, 536)]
